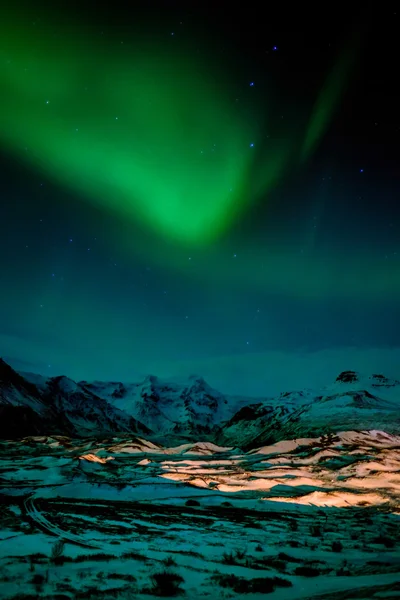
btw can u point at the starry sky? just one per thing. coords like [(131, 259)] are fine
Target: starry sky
[(192, 190)]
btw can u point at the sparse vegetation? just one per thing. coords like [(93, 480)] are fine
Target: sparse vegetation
[(169, 562), (343, 570), (228, 558), (192, 502), (316, 531), (306, 571), (274, 563), (258, 585), (100, 556), (123, 576), (233, 558), (384, 540), (135, 556), (288, 558), (166, 583), (92, 592), (57, 551), (82, 574), (337, 546), (293, 525), (64, 587), (163, 534), (37, 556), (38, 579)]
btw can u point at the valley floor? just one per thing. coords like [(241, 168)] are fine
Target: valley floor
[(122, 518)]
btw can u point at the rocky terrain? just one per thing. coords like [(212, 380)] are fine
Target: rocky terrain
[(170, 412), (163, 489)]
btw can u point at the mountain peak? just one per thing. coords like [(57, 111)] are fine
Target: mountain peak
[(5, 368), (379, 380), (198, 378), (191, 410), (59, 406), (151, 379), (348, 377), (9, 377)]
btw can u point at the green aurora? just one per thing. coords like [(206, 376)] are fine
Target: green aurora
[(147, 130)]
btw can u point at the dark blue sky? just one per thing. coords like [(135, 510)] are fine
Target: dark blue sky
[(307, 279)]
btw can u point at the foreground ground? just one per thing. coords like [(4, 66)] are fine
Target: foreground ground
[(123, 518)]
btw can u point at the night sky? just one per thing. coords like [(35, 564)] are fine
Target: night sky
[(195, 188)]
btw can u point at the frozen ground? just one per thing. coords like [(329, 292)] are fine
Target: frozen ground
[(124, 518)]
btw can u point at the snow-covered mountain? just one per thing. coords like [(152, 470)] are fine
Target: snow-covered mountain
[(303, 487), (351, 403), (35, 404), (189, 408), (191, 411)]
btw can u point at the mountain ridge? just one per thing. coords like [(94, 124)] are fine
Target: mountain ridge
[(191, 410), (26, 408)]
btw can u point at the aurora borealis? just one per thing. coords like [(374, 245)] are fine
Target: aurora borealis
[(163, 182), (151, 134)]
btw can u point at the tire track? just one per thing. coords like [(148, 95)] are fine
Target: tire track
[(44, 524)]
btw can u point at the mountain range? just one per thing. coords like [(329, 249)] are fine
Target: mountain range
[(189, 410)]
